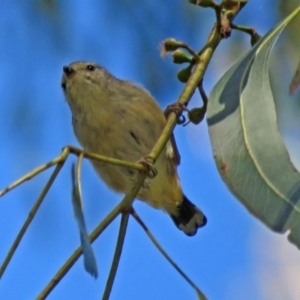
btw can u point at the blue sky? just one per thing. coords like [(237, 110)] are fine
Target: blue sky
[(224, 259)]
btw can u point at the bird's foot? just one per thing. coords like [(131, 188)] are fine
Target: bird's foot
[(147, 162)]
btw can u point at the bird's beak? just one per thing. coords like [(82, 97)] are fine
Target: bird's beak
[(67, 73), (68, 70)]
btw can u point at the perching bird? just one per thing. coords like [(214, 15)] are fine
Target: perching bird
[(119, 119)]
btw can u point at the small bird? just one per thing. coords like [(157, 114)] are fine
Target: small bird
[(119, 119)]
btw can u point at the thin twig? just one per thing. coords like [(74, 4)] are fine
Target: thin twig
[(245, 29), (89, 258), (124, 204), (109, 160), (168, 258), (218, 9), (63, 156), (117, 255), (191, 51), (30, 218), (78, 176), (203, 95), (60, 159)]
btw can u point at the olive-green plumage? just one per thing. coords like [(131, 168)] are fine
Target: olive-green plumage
[(117, 118)]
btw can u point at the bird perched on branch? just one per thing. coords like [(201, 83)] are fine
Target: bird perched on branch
[(119, 119)]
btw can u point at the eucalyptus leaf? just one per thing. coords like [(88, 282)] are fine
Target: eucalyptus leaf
[(89, 258), (248, 149), (295, 81)]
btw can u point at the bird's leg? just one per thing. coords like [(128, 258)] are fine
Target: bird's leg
[(147, 161), (177, 108)]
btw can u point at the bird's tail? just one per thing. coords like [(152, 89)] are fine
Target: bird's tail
[(189, 217)]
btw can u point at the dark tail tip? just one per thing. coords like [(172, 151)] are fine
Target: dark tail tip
[(189, 217)]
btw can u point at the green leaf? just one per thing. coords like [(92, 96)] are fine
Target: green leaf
[(295, 81), (249, 152), (89, 258)]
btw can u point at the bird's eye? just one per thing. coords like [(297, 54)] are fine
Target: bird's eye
[(90, 67)]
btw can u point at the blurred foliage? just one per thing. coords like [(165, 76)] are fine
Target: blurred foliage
[(286, 58), (284, 8)]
